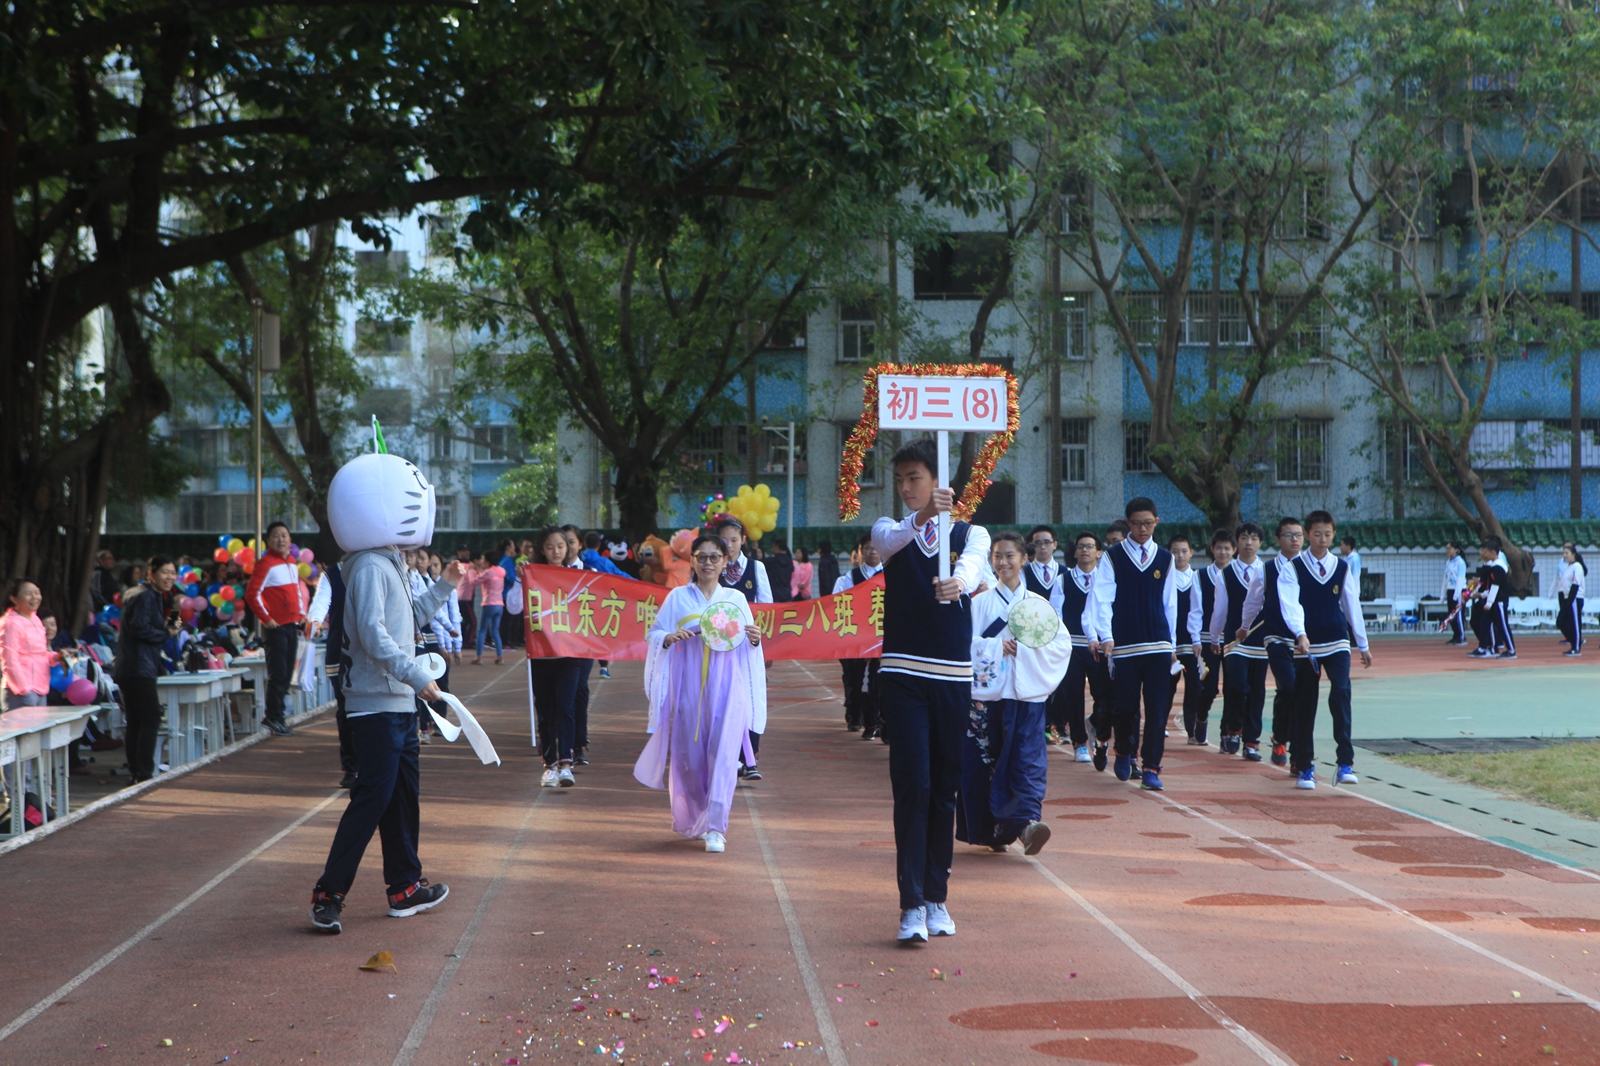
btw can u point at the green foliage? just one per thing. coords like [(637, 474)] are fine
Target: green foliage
[(525, 496)]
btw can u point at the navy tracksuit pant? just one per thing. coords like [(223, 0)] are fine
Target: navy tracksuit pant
[(926, 721)]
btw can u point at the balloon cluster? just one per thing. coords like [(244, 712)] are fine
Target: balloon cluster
[(79, 691), (232, 549), (714, 505), (755, 508)]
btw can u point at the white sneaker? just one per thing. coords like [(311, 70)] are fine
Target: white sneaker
[(565, 778), (1081, 754), (914, 926), (551, 778), (939, 922), (1347, 776), (716, 843)]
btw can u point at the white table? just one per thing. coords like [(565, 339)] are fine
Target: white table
[(255, 668), (197, 712), (39, 735)]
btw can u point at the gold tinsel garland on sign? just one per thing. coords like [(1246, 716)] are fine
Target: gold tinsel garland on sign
[(866, 434)]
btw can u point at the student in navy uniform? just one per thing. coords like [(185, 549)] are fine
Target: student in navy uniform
[(1207, 582), (1134, 610), (1190, 628), (1489, 619), (1244, 662), (1322, 605), (1043, 577), (925, 683), (748, 576), (1263, 604), (860, 675), (1075, 589)]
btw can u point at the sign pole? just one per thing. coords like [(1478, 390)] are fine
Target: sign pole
[(944, 516)]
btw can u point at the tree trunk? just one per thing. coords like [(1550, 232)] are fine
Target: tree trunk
[(1575, 242), (638, 488)]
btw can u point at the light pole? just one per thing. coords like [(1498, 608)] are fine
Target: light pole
[(788, 465), (265, 343)]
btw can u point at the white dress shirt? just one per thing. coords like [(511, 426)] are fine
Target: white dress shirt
[(1349, 599), (763, 586), (1189, 581), (1103, 595), (1249, 574), (845, 584), (889, 536)]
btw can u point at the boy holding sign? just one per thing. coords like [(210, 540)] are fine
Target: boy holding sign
[(926, 682)]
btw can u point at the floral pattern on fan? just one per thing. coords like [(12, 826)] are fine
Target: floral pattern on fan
[(722, 626), (1033, 621)]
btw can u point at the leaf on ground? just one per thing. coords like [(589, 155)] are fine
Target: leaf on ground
[(381, 961)]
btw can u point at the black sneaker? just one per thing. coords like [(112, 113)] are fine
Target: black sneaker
[(347, 781), (277, 727), (752, 774), (325, 908), (1099, 756), (416, 899), (578, 759)]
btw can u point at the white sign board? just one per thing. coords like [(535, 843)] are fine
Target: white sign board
[(931, 403)]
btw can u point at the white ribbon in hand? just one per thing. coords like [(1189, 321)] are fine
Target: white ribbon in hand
[(481, 744)]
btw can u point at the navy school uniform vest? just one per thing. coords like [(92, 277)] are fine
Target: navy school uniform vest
[(746, 583), (1207, 585), (921, 636), (1273, 628), (1186, 639), (1253, 646), (1139, 617), (1322, 600), (1075, 586), (1037, 587)]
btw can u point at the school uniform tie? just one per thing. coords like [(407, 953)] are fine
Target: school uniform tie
[(1321, 570), (1141, 555)]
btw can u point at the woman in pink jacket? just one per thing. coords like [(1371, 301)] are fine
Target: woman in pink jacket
[(800, 584), (492, 580), (24, 650)]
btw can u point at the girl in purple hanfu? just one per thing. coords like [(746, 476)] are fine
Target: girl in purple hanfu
[(703, 703)]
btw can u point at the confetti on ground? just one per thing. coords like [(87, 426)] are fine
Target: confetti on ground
[(872, 1024), (164, 1042), (381, 961)]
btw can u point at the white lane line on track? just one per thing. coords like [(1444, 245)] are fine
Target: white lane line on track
[(797, 942), (1532, 975), (117, 952), (1262, 1050)]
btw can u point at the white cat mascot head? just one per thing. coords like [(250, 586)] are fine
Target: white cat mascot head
[(378, 499)]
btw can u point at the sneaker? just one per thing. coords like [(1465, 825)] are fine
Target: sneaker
[(1347, 776), (1151, 782), (551, 778), (1124, 767), (869, 734), (325, 908), (579, 759), (1480, 653), (752, 774), (564, 777), (1573, 652), (347, 781), (1052, 737), (1200, 735), (913, 926), (416, 899), (939, 921), (605, 671), (1280, 755), (1081, 753), (1194, 742), (1252, 752), (1506, 655), (1307, 779), (1099, 756), (1035, 835), (423, 737), (277, 727), (716, 843), (1229, 744)]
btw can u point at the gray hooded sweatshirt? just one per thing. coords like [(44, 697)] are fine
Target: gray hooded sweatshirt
[(381, 620)]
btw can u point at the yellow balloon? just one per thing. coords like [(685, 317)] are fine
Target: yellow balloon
[(305, 569), (216, 599), (762, 492), (235, 546)]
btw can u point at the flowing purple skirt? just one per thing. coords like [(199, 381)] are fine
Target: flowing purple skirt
[(694, 753)]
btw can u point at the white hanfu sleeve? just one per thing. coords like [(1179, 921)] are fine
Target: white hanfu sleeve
[(989, 666), (1040, 671), (655, 662), (755, 668)]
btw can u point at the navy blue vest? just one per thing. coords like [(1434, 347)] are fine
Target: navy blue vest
[(1036, 586), (1253, 645), (856, 576), (1139, 616), (746, 583), (922, 636), (1208, 602), (1074, 599), (335, 649), (1186, 639), (1273, 628), (1323, 603)]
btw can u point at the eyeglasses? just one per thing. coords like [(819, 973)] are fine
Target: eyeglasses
[(708, 558)]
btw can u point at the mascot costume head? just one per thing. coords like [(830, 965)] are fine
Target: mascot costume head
[(378, 499)]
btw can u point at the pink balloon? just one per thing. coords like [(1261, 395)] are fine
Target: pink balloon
[(81, 692), (307, 556)]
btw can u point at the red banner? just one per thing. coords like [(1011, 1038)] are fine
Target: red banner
[(587, 615)]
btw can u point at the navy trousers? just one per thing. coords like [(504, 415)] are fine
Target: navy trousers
[(1146, 679), (555, 695), (384, 798), (1302, 751), (1282, 663), (580, 706), (926, 720), (1081, 669), (1003, 771), (282, 644), (1244, 694)]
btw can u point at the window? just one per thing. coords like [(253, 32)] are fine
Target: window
[(1136, 448), (207, 447), (1233, 329), (391, 407), (1304, 214), (710, 456), (1413, 472), (1075, 450), (788, 333), (858, 329), (1301, 443), (962, 266), (217, 513), (1312, 335), (381, 268), (441, 377), (481, 517), (494, 444), (1072, 326), (1076, 202), (444, 516), (1145, 315), (387, 337), (441, 445)]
